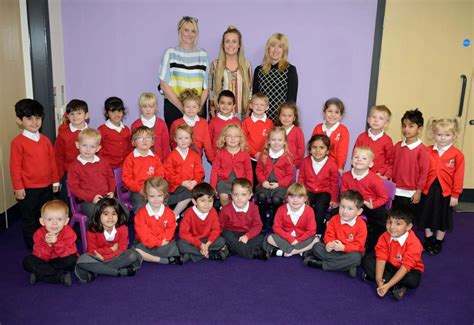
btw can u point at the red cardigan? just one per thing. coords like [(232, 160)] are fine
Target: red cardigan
[(216, 125), (96, 242), (248, 222), (136, 170), (115, 146), (296, 145), (408, 255), (370, 187), (65, 149), (383, 152), (225, 163), (64, 246), (201, 137), (151, 232), (256, 133), (283, 169), (413, 178), (339, 143), (327, 179), (353, 237), (161, 146), (193, 229), (449, 169), (32, 164), (304, 228), (178, 170)]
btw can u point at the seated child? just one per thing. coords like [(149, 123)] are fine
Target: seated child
[(376, 139), (275, 172), (140, 165), (224, 116), (54, 249), (320, 176), (155, 225), (344, 240), (288, 119), (294, 230), (240, 222), (116, 144), (148, 118), (183, 169), (32, 169), (360, 178), (397, 263), (107, 242), (199, 232), (232, 161), (89, 177)]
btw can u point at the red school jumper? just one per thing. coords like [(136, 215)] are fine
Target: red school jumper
[(304, 228), (383, 152), (193, 229), (370, 187), (248, 222), (115, 145), (65, 149), (353, 237), (137, 169), (151, 231), (216, 124), (178, 170), (283, 169), (64, 246), (327, 180), (161, 146), (201, 137), (339, 143), (414, 177), (408, 255), (256, 133), (225, 163), (296, 145), (96, 242)]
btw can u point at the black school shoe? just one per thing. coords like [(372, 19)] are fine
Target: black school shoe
[(313, 262), (428, 245), (437, 247), (176, 260), (66, 279), (399, 292), (219, 255)]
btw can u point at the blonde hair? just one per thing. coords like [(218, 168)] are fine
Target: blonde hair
[(283, 63), (221, 141), (266, 148), (147, 99), (293, 107), (192, 20), (89, 133), (367, 150), (445, 124), (55, 205), (297, 189), (221, 64), (158, 183), (382, 109), (142, 130), (261, 96), (186, 128), (190, 94)]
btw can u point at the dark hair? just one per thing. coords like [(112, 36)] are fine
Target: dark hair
[(324, 138), (28, 107), (243, 182), (113, 104), (95, 225), (292, 106), (334, 101), (226, 93), (203, 189), (354, 196), (414, 116), (401, 213), (77, 105)]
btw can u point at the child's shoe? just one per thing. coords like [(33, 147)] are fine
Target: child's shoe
[(66, 279), (428, 245), (176, 260), (437, 247), (399, 292), (33, 278), (313, 262)]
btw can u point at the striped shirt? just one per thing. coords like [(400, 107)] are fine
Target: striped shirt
[(182, 69)]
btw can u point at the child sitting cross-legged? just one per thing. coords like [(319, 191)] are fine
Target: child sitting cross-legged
[(344, 240)]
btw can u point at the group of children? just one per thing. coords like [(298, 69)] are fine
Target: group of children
[(295, 194)]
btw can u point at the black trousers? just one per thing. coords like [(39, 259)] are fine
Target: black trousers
[(405, 202), (376, 225), (249, 250), (51, 271), (320, 204), (411, 280)]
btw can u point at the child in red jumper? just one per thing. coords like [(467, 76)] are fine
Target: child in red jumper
[(32, 169), (397, 263), (224, 116), (148, 118), (54, 250), (344, 240), (116, 144), (155, 225), (444, 184), (201, 140), (107, 242), (199, 232), (232, 161), (288, 119), (140, 165), (320, 176), (333, 112), (275, 172)]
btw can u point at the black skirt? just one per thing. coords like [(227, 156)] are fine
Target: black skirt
[(436, 214)]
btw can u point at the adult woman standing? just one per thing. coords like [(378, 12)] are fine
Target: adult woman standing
[(276, 77), (184, 66), (231, 71)]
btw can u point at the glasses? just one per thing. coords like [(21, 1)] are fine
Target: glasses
[(141, 139), (188, 18)]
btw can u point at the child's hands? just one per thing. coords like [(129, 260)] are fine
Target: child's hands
[(381, 176), (266, 184), (257, 155), (110, 195), (96, 198), (98, 256), (294, 242), (114, 247), (416, 197), (50, 238), (369, 204), (382, 290), (453, 202), (273, 185), (164, 242), (204, 249), (189, 184), (243, 239), (341, 171), (333, 205), (20, 194), (330, 246), (338, 246), (55, 188)]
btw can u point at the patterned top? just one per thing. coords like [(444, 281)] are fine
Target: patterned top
[(279, 87), (182, 69)]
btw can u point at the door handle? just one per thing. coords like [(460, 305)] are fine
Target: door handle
[(463, 94), (471, 122)]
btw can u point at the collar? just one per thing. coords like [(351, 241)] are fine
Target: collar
[(295, 215), (330, 130), (275, 154), (182, 152), (255, 119), (83, 161), (441, 151), (191, 121), (318, 165), (200, 214), (225, 118), (289, 129), (350, 223), (373, 136), (112, 126), (74, 129), (148, 123), (152, 213), (137, 153), (411, 146), (244, 209), (32, 136), (401, 240), (110, 236), (359, 177)]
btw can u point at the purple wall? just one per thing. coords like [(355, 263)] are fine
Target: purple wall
[(113, 48)]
